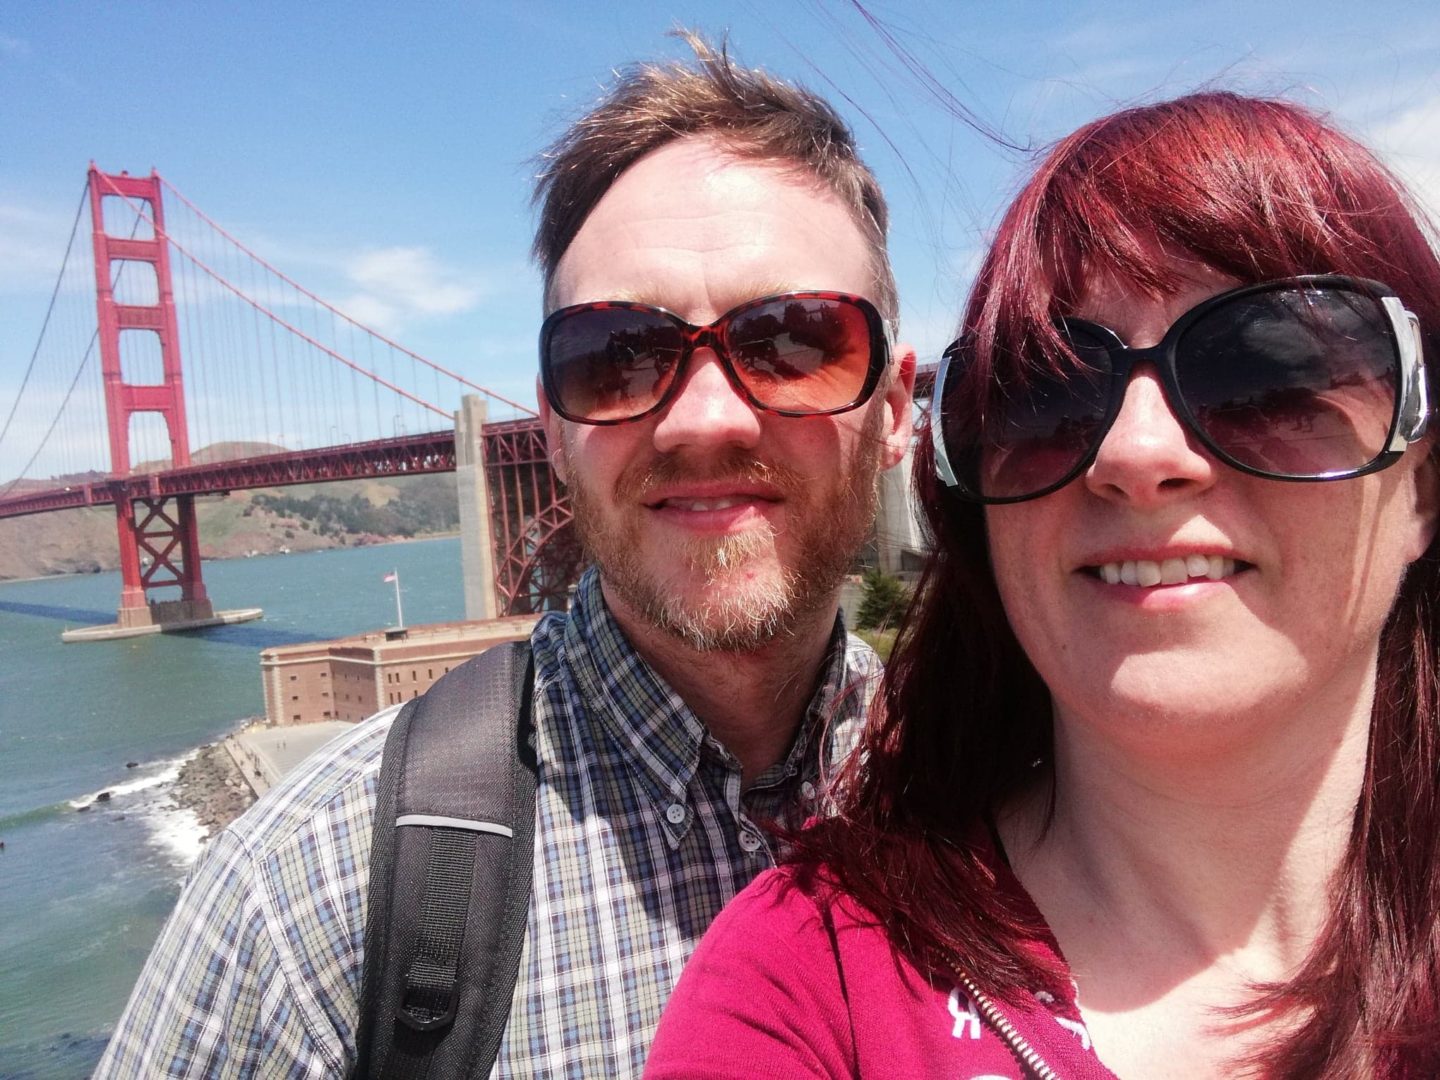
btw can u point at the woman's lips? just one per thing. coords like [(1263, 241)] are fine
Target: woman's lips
[(1176, 570)]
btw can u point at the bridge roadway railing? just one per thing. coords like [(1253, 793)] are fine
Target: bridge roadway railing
[(402, 455)]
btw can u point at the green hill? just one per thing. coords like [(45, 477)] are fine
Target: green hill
[(300, 518)]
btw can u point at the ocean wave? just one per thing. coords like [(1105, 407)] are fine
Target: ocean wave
[(11, 822), (175, 830), (178, 833), (146, 797), (151, 775)]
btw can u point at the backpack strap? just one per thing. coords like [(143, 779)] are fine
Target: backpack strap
[(450, 870)]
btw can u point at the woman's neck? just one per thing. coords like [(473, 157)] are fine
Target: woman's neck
[(1177, 876)]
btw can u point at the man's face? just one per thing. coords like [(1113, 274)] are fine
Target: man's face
[(713, 521)]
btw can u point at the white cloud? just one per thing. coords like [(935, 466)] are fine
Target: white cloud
[(1410, 143), (400, 281), (32, 245)]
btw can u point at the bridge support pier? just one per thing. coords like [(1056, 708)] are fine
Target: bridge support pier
[(160, 546), (477, 542)]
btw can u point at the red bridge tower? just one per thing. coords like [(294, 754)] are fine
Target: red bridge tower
[(162, 528)]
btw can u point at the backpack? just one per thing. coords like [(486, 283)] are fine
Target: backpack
[(450, 870)]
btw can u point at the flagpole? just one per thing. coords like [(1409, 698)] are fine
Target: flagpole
[(399, 612)]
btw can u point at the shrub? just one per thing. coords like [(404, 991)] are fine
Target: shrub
[(886, 598)]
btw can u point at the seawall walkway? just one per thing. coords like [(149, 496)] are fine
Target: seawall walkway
[(265, 754)]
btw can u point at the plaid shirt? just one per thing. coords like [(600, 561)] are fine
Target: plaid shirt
[(642, 835)]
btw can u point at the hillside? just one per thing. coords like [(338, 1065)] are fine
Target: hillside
[(301, 518)]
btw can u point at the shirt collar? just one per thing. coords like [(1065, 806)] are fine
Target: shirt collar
[(660, 735)]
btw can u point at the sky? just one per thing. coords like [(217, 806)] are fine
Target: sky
[(382, 154)]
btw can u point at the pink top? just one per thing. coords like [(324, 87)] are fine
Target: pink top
[(773, 991)]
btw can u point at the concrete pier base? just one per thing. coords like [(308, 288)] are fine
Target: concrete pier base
[(477, 542), (115, 631)]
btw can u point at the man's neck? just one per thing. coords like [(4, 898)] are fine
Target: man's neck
[(752, 702)]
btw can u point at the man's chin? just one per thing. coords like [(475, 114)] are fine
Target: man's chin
[(741, 611), (735, 624)]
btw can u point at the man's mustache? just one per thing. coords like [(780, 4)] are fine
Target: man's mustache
[(740, 467)]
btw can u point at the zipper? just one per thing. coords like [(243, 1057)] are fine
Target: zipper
[(1028, 1055)]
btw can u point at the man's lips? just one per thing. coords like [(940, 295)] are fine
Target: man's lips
[(708, 498), (696, 505)]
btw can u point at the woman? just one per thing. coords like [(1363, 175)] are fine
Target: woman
[(1155, 791)]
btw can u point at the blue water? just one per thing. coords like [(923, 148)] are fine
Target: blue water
[(83, 893)]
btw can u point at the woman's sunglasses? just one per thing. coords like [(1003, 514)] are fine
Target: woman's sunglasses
[(1309, 378), (796, 354)]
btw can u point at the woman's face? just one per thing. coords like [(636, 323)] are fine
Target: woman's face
[(1272, 594)]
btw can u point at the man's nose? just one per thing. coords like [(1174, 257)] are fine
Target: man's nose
[(708, 410)]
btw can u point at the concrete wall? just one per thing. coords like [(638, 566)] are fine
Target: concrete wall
[(896, 530), (477, 544)]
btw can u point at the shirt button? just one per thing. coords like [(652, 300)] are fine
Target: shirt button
[(750, 842), (807, 789), (675, 813)]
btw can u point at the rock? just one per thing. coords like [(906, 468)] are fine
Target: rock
[(104, 796), (210, 785), (132, 764)]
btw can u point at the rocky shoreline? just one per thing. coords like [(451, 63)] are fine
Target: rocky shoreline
[(210, 784)]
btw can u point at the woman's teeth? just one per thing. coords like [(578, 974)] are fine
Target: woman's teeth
[(1147, 572)]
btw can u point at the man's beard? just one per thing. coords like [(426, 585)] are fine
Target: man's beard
[(731, 615)]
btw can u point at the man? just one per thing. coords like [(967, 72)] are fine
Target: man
[(701, 685)]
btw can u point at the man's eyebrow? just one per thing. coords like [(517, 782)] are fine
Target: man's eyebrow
[(658, 295)]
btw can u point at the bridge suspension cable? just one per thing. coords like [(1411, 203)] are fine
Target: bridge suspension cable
[(336, 311), (261, 309), (45, 323), (89, 417), (268, 365)]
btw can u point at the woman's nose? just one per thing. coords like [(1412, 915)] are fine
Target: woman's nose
[(1148, 455)]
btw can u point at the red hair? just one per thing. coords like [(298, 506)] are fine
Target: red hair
[(1257, 189)]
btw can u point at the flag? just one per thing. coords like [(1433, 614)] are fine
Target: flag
[(391, 576)]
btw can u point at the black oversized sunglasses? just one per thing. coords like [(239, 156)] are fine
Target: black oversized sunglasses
[(796, 354), (1308, 378)]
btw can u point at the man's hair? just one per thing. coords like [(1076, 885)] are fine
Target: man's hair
[(749, 112)]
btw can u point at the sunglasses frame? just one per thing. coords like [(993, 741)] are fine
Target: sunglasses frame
[(1407, 423), (709, 336)]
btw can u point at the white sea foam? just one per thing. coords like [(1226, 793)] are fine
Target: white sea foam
[(178, 832), (175, 830), (153, 775)]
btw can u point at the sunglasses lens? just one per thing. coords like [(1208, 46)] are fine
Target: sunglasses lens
[(1038, 425), (1294, 382), (609, 363), (802, 354)]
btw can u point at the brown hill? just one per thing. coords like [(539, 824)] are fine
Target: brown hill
[(302, 518)]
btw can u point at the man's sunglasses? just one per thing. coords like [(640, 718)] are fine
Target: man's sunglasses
[(796, 354), (1309, 378)]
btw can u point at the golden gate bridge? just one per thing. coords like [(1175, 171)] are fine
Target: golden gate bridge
[(193, 340)]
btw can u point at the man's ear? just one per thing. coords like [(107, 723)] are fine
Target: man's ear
[(554, 433), (899, 408)]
